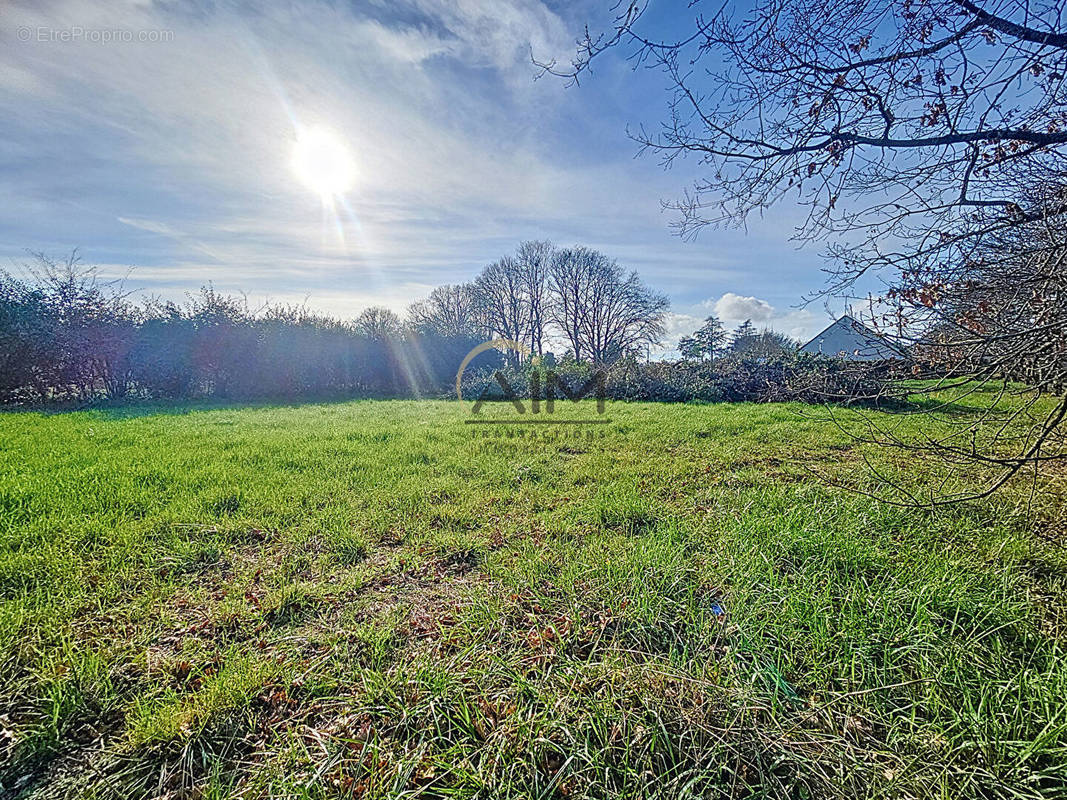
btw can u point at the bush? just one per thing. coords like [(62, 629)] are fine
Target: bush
[(795, 376), (64, 336)]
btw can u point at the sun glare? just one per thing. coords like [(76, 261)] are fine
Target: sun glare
[(322, 162)]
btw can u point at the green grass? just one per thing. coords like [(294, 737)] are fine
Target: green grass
[(373, 599)]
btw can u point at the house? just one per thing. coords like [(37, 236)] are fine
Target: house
[(846, 338)]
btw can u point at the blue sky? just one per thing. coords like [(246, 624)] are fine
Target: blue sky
[(173, 155)]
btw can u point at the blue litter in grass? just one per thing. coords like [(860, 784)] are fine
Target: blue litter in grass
[(718, 610)]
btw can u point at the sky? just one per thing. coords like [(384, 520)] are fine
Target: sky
[(157, 138)]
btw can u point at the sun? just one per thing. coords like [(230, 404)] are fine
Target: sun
[(322, 162)]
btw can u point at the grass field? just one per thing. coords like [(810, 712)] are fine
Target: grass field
[(373, 599)]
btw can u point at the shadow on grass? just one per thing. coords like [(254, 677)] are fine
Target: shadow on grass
[(120, 410), (954, 408)]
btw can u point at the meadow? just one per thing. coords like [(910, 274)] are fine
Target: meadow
[(373, 599)]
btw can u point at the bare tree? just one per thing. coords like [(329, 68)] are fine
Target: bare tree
[(833, 99), (92, 325), (924, 137), (534, 260), (378, 322), (604, 312), (449, 311), (500, 292), (627, 316), (765, 344), (569, 288)]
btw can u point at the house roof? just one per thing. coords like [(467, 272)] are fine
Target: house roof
[(848, 338)]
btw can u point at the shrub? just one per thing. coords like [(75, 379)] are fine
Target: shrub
[(795, 376)]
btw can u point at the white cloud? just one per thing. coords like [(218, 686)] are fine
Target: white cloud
[(737, 308)]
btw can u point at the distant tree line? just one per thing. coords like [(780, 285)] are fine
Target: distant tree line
[(66, 334), (711, 341)]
